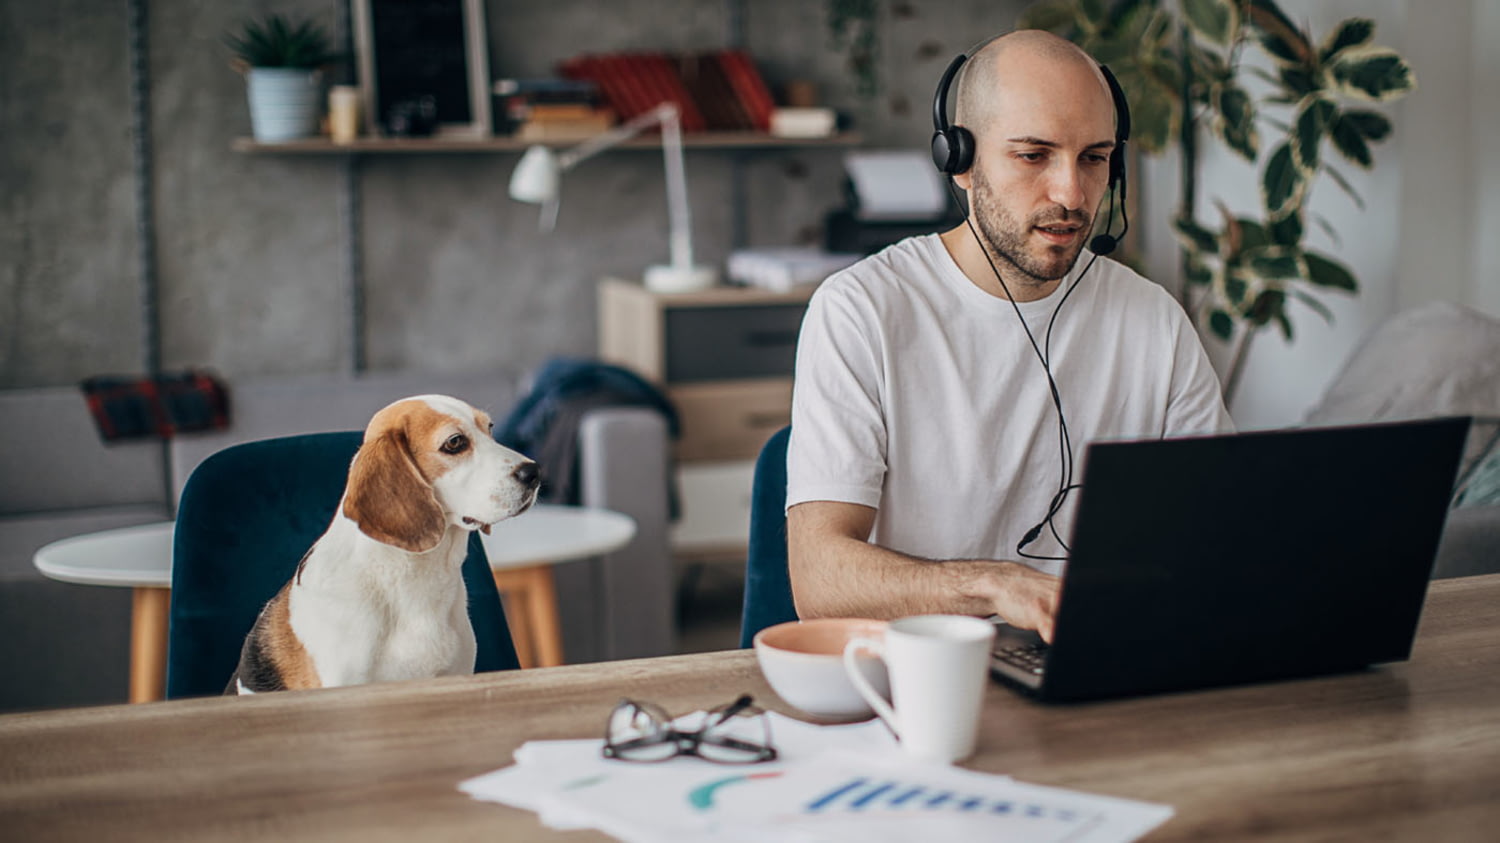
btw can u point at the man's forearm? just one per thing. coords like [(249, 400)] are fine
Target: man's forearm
[(844, 577)]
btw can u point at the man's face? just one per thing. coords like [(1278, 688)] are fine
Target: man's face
[(1040, 173)]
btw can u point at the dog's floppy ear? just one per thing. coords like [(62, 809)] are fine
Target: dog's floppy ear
[(389, 499)]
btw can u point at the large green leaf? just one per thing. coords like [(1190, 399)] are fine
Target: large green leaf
[(1195, 237), (1313, 121), (1270, 304), (1286, 231), (1283, 182), (1371, 125), (1222, 324), (1373, 73), (1236, 121), (1094, 10), (1051, 15), (1154, 116), (1353, 32), (1251, 234), (1329, 273), (1279, 35), (1196, 272), (1350, 143), (1215, 20), (1276, 263), (1297, 82), (1235, 288)]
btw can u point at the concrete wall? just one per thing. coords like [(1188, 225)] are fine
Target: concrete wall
[(251, 248)]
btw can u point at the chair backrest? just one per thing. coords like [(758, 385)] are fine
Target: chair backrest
[(247, 516), (768, 589)]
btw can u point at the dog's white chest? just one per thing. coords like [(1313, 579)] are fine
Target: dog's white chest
[(388, 622)]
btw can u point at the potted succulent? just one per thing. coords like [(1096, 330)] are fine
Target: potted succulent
[(282, 61)]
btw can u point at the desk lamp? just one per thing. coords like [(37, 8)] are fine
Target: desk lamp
[(536, 179)]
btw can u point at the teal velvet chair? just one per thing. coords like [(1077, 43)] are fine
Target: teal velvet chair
[(768, 588), (247, 515)]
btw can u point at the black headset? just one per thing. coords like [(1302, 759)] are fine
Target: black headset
[(953, 153), (953, 146)]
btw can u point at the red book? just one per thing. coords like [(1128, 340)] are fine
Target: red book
[(601, 71), (667, 86), (751, 88)]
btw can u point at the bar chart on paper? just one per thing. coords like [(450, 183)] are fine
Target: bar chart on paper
[(835, 797), (885, 795)]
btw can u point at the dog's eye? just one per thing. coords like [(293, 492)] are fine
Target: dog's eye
[(456, 444)]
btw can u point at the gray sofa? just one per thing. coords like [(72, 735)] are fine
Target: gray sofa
[(63, 644), (1439, 359)]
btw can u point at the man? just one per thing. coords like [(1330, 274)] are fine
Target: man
[(927, 450)]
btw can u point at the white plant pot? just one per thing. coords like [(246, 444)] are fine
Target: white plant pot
[(284, 103)]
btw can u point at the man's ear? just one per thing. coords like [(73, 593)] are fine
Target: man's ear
[(389, 499)]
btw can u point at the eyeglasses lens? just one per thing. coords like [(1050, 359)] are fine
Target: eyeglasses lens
[(741, 738), (639, 733)]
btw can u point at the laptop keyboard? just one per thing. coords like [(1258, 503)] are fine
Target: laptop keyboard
[(1028, 658)]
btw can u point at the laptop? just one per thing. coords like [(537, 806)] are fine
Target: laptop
[(1220, 560)]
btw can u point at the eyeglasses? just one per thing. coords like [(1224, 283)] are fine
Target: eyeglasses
[(737, 733)]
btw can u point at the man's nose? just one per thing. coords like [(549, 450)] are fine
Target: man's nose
[(1066, 186)]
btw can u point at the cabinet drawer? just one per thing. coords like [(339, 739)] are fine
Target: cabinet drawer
[(716, 343), (730, 420)]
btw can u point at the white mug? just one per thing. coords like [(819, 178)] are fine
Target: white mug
[(938, 666)]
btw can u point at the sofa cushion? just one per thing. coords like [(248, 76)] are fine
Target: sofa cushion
[(52, 457), (1439, 359)]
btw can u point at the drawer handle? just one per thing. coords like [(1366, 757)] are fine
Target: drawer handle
[(768, 419), (766, 339)]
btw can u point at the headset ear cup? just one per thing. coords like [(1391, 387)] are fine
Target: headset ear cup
[(942, 151), (963, 150)]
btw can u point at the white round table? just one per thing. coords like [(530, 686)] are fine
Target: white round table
[(520, 551)]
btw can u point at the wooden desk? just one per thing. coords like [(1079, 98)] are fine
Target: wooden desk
[(1408, 751)]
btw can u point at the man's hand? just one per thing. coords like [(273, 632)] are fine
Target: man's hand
[(1026, 598)]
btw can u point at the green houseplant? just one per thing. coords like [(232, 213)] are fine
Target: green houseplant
[(1183, 70), (282, 60)]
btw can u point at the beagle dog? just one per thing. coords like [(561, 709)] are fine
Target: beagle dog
[(380, 596)]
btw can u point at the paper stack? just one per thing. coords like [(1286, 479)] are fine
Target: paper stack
[(831, 783), (780, 268)]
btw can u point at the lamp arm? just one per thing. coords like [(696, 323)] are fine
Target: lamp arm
[(679, 217), (664, 113)]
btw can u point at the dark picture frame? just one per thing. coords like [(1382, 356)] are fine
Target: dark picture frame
[(411, 49)]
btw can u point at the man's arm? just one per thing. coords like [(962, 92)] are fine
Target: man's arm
[(836, 572)]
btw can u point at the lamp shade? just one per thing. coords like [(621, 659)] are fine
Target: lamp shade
[(535, 178)]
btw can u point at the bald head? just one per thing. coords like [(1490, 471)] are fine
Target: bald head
[(1007, 73)]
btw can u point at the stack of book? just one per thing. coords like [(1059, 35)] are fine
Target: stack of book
[(550, 109), (719, 90)]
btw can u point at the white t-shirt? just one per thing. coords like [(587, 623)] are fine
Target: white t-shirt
[(918, 394)]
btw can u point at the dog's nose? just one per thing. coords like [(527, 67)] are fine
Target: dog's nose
[(527, 474)]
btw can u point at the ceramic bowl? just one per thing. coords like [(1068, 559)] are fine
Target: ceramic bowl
[(804, 663)]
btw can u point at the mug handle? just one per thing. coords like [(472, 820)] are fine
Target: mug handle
[(862, 685)]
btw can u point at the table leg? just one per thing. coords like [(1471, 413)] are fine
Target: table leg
[(148, 643), (543, 595), (513, 587), (531, 609)]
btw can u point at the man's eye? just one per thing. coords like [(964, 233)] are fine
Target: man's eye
[(1031, 156), (455, 444)]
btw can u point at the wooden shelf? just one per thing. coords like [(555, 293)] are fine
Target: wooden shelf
[(701, 140)]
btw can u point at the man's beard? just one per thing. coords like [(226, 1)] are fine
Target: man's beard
[(1006, 240)]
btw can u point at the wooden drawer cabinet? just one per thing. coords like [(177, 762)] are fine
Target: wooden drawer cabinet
[(724, 357)]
